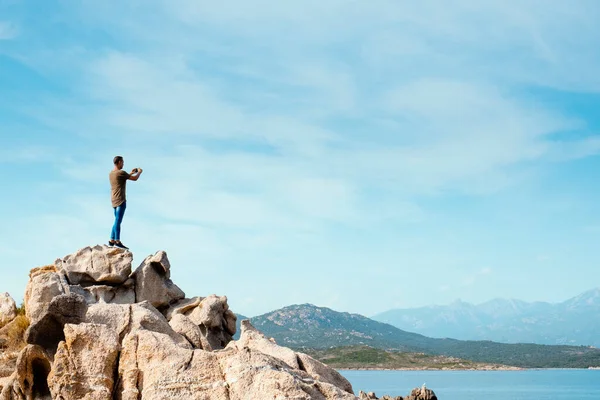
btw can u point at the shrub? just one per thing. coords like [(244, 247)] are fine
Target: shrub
[(14, 332), (21, 309)]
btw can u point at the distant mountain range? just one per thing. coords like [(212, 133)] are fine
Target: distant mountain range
[(572, 322), (307, 326)]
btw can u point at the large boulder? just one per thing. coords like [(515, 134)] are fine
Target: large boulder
[(322, 372), (183, 306), (421, 393), (98, 264), (84, 364), (252, 338), (8, 309), (44, 284), (47, 330), (127, 318), (254, 375), (153, 367), (186, 328), (153, 282), (212, 316)]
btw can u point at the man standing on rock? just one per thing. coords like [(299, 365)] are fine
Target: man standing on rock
[(118, 179)]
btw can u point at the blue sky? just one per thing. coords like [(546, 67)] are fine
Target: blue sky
[(350, 154)]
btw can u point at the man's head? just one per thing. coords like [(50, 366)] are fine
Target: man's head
[(118, 161)]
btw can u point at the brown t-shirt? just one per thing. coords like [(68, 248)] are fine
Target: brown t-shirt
[(118, 179)]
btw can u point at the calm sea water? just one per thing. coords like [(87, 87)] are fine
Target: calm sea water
[(478, 385)]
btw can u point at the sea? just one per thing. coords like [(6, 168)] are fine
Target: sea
[(543, 384)]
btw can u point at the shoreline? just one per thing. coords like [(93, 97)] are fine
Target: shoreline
[(466, 369)]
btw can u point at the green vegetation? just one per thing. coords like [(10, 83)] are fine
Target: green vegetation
[(362, 357), (21, 309), (307, 327)]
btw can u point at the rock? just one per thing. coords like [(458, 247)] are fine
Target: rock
[(253, 375), (230, 322), (8, 309), (47, 330), (118, 317), (30, 379), (210, 312), (183, 306), (127, 319), (96, 334), (253, 339), (211, 315), (214, 321), (153, 283), (98, 264), (367, 396), (152, 367), (185, 327), (322, 372), (421, 393), (84, 364), (44, 284), (122, 294)]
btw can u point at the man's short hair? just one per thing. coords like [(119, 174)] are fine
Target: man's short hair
[(117, 160)]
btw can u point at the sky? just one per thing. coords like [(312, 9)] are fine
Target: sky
[(357, 155)]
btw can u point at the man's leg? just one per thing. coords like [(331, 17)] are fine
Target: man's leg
[(113, 232), (119, 218)]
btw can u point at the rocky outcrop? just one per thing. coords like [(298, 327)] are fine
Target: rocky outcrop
[(30, 378), (421, 393), (47, 330), (94, 265), (8, 309), (153, 282), (99, 331), (85, 362), (44, 284)]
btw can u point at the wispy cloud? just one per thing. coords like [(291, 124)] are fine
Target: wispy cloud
[(307, 133)]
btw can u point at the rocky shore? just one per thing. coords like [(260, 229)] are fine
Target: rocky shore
[(93, 329)]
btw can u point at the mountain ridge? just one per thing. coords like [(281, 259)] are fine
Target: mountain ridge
[(307, 326), (575, 321)]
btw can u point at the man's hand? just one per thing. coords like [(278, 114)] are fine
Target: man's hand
[(135, 174)]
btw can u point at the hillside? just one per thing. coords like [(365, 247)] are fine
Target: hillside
[(309, 327), (365, 357), (575, 321)]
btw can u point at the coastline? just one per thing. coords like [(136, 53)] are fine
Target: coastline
[(466, 369), (434, 369)]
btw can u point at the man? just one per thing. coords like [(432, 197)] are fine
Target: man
[(118, 179)]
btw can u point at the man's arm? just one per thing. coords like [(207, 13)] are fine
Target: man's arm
[(135, 174)]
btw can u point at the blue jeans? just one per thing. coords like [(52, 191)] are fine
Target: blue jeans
[(116, 230)]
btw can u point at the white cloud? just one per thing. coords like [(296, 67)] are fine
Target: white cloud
[(259, 124)]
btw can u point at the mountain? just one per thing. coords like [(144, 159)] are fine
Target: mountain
[(308, 327), (572, 322)]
